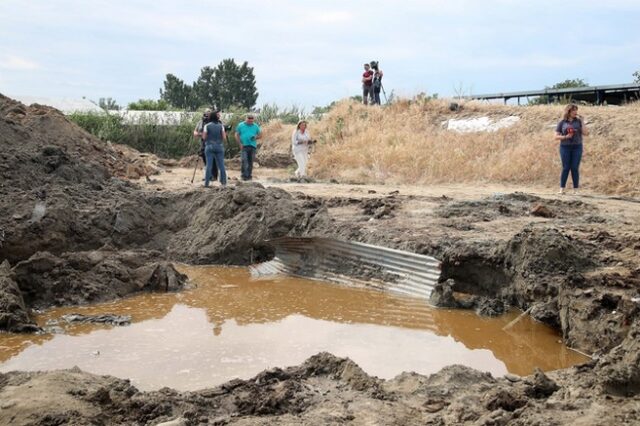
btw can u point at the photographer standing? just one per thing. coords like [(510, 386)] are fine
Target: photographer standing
[(214, 135), (377, 82), (247, 134), (197, 133), (300, 141)]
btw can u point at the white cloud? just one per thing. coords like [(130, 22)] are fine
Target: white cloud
[(17, 63)]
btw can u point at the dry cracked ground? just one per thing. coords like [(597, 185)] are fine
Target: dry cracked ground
[(74, 229)]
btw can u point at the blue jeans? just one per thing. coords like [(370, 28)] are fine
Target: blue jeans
[(376, 95), (214, 176), (248, 155), (215, 158), (570, 156)]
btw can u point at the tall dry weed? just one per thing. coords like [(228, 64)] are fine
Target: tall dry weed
[(406, 143)]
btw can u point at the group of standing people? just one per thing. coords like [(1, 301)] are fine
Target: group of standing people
[(371, 83), (212, 134), (212, 146), (569, 131)]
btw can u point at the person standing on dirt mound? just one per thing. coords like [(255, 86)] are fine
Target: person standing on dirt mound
[(377, 82), (247, 134), (300, 142), (367, 84), (214, 135), (569, 132), (197, 133)]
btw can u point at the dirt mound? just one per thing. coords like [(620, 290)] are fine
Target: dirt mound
[(540, 251), (39, 146), (214, 226), (275, 150), (322, 390), (14, 316), (75, 233), (58, 259), (512, 205), (45, 280), (88, 277), (230, 225)]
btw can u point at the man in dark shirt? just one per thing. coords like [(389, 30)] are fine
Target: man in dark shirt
[(367, 84)]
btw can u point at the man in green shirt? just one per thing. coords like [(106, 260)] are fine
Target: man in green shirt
[(247, 134)]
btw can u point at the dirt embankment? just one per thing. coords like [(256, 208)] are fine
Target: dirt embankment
[(71, 232), (410, 142), (577, 270), (322, 390)]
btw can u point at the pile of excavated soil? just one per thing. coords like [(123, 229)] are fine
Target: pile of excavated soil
[(39, 145), (322, 390), (73, 232)]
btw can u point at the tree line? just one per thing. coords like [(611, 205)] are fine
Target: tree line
[(225, 86)]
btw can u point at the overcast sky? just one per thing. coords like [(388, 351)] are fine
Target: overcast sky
[(311, 52)]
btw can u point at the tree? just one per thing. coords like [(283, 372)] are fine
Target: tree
[(227, 85), (149, 105), (206, 88), (108, 104), (567, 84), (637, 76), (179, 94)]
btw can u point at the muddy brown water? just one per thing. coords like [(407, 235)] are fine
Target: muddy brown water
[(232, 326)]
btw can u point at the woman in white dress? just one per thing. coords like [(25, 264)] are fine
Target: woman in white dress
[(300, 141)]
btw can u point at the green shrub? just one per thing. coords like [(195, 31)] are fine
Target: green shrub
[(168, 141), (173, 141)]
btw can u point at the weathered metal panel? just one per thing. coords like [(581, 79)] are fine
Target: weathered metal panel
[(351, 263)]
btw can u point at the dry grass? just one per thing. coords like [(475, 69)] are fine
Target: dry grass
[(406, 143), (277, 136)]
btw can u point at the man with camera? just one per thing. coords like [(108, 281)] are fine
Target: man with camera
[(377, 82), (198, 133), (247, 134)]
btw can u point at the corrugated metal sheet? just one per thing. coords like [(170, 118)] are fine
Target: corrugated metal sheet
[(354, 264)]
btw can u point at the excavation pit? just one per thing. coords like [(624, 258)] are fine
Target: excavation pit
[(233, 326)]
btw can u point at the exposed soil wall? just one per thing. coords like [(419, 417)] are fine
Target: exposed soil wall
[(322, 390)]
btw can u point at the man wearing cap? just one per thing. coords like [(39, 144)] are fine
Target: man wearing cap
[(247, 134), (197, 133)]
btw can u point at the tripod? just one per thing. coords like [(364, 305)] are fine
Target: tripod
[(373, 95)]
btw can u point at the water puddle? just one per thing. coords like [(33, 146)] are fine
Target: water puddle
[(231, 326)]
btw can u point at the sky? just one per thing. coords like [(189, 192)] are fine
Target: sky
[(310, 53)]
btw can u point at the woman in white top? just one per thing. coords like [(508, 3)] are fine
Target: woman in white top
[(300, 141)]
